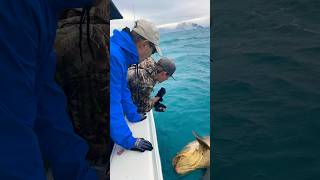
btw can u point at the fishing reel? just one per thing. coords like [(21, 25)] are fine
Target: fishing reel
[(159, 107)]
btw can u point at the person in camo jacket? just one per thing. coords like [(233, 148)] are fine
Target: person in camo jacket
[(142, 79), (83, 73)]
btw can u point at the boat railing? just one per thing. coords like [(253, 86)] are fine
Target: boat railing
[(132, 165)]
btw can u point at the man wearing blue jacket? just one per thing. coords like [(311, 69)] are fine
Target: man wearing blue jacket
[(34, 124), (126, 48)]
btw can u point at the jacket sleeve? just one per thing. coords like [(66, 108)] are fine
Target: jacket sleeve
[(21, 31), (147, 84), (141, 87), (129, 108), (65, 150), (120, 131), (20, 152)]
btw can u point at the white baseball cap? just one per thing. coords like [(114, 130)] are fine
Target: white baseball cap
[(149, 31)]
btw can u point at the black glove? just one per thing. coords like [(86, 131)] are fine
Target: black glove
[(159, 107), (143, 116), (161, 93), (142, 145)]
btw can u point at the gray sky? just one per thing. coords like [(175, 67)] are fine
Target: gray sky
[(162, 12)]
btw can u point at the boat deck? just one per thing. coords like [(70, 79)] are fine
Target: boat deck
[(132, 165)]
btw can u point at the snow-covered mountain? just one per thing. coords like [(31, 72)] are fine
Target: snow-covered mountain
[(180, 27), (188, 26)]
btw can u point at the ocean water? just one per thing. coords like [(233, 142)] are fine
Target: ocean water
[(187, 98), (266, 90)]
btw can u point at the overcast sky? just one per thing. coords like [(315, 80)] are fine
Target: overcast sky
[(162, 12)]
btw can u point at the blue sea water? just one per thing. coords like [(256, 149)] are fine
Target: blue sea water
[(266, 90), (187, 98)]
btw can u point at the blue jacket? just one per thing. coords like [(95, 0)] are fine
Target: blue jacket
[(123, 53), (34, 124)]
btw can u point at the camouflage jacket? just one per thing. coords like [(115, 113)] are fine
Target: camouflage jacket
[(85, 82), (141, 84)]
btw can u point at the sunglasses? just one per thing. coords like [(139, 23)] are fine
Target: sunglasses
[(152, 47)]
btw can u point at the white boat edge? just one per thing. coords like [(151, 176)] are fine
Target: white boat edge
[(131, 165)]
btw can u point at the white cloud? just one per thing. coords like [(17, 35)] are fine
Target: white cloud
[(162, 13)]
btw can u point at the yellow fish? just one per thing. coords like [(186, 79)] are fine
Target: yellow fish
[(193, 156)]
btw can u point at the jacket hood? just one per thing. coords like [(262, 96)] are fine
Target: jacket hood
[(124, 41)]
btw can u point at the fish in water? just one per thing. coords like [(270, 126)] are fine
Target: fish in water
[(193, 156)]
